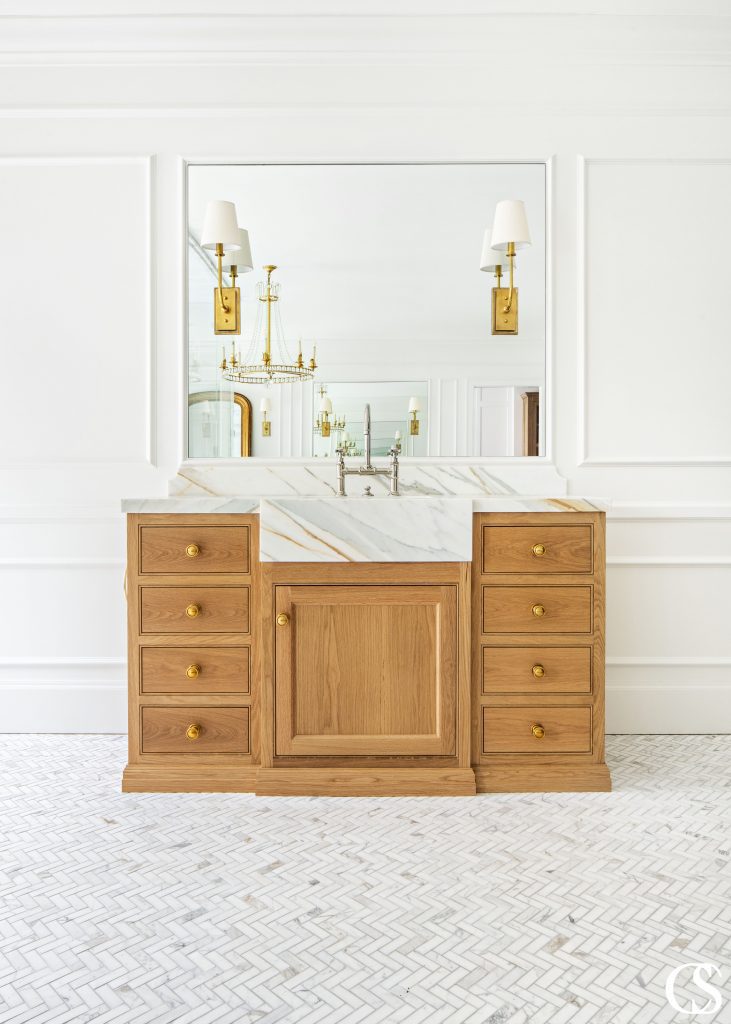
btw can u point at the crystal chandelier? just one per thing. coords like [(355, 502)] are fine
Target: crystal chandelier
[(283, 369)]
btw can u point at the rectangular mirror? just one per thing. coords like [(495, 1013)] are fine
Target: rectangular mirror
[(378, 276)]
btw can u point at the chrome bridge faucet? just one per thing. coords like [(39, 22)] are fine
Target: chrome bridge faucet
[(368, 469)]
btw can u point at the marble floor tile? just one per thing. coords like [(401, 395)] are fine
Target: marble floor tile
[(210, 909)]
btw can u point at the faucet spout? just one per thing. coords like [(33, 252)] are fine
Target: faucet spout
[(367, 436)]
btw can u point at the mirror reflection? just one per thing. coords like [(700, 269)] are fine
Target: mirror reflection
[(418, 288)]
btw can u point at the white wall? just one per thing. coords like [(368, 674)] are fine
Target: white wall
[(631, 108)]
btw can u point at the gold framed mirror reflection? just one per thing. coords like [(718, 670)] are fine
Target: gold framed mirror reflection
[(205, 430)]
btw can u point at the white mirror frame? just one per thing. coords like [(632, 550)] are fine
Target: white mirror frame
[(512, 467)]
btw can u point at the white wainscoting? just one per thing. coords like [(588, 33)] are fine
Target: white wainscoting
[(99, 114)]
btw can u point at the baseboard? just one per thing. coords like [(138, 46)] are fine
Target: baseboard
[(365, 782), (646, 698), (63, 707), (156, 779), (536, 778)]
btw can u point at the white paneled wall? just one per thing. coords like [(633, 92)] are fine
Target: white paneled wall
[(98, 114)]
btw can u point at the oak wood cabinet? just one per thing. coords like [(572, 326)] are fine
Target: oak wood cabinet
[(365, 678), (538, 651)]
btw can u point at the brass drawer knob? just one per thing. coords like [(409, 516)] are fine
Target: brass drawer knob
[(538, 731), (539, 550), (538, 671), (282, 619), (193, 731), (192, 610), (538, 610), (193, 671), (192, 551)]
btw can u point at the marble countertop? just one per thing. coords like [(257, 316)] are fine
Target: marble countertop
[(434, 528)]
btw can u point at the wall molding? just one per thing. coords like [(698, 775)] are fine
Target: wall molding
[(326, 33), (62, 563), (661, 512), (698, 661), (584, 460), (147, 162), (668, 562)]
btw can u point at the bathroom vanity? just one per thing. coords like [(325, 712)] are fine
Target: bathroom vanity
[(307, 621), (366, 646)]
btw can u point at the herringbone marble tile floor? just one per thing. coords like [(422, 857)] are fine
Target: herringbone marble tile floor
[(225, 909)]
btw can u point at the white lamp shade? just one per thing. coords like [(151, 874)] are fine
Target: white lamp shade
[(241, 257), (265, 405), (220, 226), (326, 405), (414, 404), (510, 225), (491, 259)]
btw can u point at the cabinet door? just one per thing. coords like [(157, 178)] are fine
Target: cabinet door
[(365, 670)]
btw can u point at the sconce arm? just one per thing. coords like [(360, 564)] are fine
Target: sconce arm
[(511, 258), (219, 290)]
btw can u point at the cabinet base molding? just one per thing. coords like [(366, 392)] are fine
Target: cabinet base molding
[(365, 782), (209, 779), (534, 778)]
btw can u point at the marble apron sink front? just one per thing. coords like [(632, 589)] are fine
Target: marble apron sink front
[(366, 529)]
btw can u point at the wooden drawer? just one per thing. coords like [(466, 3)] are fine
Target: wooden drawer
[(195, 670), (220, 730), (517, 609), (546, 549), (536, 669), (193, 549), (509, 730), (220, 609)]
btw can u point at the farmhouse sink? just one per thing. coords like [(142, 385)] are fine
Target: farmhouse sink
[(366, 529)]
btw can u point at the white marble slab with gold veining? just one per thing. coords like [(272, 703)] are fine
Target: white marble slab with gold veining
[(318, 478), (365, 529)]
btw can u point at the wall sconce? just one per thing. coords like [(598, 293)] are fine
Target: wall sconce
[(323, 420), (509, 233), (265, 407), (414, 409), (222, 234)]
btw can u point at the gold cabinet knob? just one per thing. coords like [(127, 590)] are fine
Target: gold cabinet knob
[(538, 610), (539, 550), (538, 671), (282, 619), (538, 731), (193, 671), (192, 551), (192, 610), (193, 731)]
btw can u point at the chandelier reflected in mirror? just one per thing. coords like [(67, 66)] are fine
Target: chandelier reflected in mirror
[(260, 365)]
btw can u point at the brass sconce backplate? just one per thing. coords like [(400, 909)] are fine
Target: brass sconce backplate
[(266, 428), (502, 322), (227, 321)]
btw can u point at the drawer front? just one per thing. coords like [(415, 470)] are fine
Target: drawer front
[(193, 549), (195, 730), (194, 609), (536, 669), (547, 549), (536, 609), (195, 670), (536, 730)]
